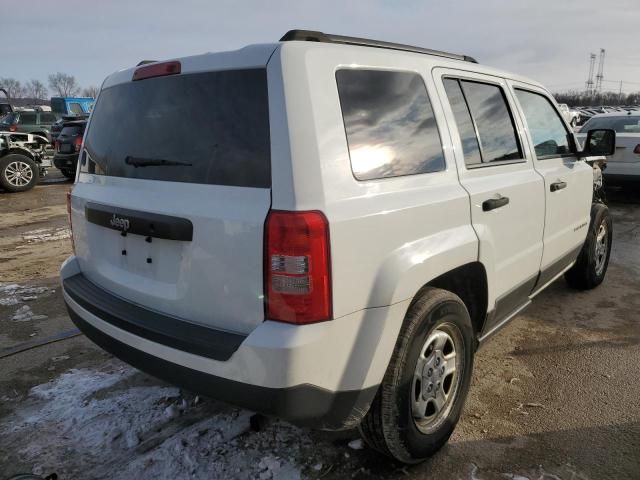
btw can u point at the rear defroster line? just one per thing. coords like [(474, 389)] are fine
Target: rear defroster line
[(24, 346)]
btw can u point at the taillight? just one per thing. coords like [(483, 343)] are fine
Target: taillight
[(56, 145), (297, 267), (78, 143), (157, 70), (637, 149), (73, 245), (13, 127)]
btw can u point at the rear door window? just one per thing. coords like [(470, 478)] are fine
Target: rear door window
[(208, 128), (466, 127), (496, 130), (390, 126), (47, 118), (28, 119), (550, 136)]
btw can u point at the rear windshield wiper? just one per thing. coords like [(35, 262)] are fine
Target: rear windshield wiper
[(153, 162)]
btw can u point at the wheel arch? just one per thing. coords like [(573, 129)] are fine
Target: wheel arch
[(469, 282)]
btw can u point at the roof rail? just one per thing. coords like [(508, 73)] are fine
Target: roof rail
[(145, 62), (312, 36)]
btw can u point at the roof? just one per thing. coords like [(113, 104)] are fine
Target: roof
[(628, 113)]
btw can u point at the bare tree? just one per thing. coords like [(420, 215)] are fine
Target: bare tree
[(36, 89), (64, 85), (90, 91), (13, 87)]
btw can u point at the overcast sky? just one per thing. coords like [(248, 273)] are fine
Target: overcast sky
[(547, 40)]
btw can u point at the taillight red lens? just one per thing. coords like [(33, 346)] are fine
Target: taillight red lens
[(637, 149), (297, 267), (78, 143), (157, 70), (57, 146), (13, 127)]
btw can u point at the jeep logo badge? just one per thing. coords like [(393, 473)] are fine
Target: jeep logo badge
[(118, 222)]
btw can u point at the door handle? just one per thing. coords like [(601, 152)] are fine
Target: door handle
[(494, 203), (558, 186)]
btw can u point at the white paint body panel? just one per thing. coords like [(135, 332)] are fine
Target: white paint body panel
[(567, 211), (388, 237), (511, 236)]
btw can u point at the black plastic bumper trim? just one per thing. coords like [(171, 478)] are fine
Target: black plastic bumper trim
[(304, 405), (139, 223), (156, 327)]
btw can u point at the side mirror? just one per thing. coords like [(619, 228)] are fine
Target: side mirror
[(599, 142)]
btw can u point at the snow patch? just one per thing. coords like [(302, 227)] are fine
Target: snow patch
[(46, 234), (24, 314), (14, 294), (113, 423)]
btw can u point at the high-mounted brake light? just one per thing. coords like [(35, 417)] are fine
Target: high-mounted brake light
[(637, 149), (297, 267), (157, 70)]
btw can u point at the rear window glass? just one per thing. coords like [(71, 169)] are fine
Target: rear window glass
[(626, 124), (75, 108), (208, 128), (9, 118), (390, 126), (71, 130)]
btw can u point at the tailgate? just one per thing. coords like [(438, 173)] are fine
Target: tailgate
[(173, 192), (214, 278)]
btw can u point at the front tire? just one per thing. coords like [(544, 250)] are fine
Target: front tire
[(18, 173), (424, 388), (591, 266)]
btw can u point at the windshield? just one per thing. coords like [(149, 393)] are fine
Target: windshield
[(206, 128), (621, 124)]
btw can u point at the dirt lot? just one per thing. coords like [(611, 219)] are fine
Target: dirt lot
[(556, 395)]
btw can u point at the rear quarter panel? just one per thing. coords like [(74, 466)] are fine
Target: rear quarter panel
[(391, 236)]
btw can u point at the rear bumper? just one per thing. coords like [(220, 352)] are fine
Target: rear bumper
[(65, 161), (322, 376)]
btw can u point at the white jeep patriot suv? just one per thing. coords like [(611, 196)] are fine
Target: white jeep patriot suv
[(324, 229)]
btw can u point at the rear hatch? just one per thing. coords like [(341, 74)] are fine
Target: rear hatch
[(174, 189), (627, 148)]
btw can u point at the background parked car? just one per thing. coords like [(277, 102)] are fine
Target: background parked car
[(72, 105), (57, 127), (572, 116), (5, 106), (67, 147), (38, 123), (623, 168), (23, 161)]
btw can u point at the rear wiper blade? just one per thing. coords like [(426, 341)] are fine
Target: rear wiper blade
[(153, 162)]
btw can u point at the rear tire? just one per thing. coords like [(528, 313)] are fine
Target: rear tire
[(18, 173), (405, 421), (591, 266)]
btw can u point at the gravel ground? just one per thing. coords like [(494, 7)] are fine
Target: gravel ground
[(555, 394)]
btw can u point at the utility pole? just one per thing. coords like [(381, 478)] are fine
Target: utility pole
[(600, 74), (589, 83), (620, 94)]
